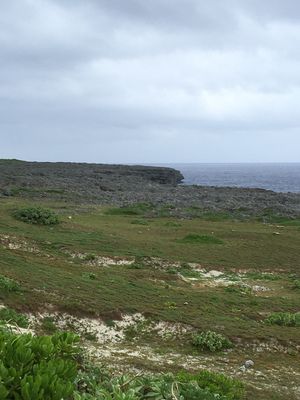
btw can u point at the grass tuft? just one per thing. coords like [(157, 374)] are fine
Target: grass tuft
[(194, 238)]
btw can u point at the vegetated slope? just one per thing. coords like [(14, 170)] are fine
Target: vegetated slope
[(138, 289), (119, 185)]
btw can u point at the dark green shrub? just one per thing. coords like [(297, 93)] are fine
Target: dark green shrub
[(37, 368), (48, 368), (284, 319), (37, 215), (215, 383), (211, 341)]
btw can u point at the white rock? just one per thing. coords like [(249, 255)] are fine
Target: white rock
[(249, 364)]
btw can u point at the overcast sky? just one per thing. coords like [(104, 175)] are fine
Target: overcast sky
[(141, 81)]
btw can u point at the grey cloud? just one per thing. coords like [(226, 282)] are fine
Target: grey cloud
[(144, 78)]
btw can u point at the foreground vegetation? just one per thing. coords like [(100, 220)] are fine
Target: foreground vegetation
[(53, 368), (231, 285)]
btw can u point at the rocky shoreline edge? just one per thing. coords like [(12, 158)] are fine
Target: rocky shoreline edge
[(123, 185)]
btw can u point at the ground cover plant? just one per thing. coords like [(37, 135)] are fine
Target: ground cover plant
[(37, 215), (284, 319), (8, 315), (8, 284), (211, 341), (200, 239)]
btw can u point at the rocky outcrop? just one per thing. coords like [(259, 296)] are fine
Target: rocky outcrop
[(128, 184), (24, 176)]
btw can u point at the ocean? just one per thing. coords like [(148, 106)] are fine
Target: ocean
[(279, 177)]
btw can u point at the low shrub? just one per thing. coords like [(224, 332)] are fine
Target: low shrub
[(11, 316), (215, 383), (8, 284), (37, 215), (203, 386), (284, 319), (194, 238), (48, 325), (89, 275), (37, 367), (49, 367), (296, 284), (90, 257), (211, 341), (262, 276)]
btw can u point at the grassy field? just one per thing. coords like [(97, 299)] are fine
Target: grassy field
[(160, 267)]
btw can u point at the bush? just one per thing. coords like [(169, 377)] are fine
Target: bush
[(37, 215), (284, 319), (34, 368), (8, 284), (215, 383), (211, 341)]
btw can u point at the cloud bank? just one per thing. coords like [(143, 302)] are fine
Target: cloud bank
[(160, 81)]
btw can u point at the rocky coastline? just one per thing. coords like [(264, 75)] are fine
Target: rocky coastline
[(121, 185)]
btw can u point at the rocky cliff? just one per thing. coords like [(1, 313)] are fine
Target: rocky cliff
[(20, 177)]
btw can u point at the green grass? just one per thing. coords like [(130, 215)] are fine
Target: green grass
[(9, 285), (78, 286), (194, 238), (12, 317), (284, 319)]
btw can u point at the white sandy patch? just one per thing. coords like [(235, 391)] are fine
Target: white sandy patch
[(15, 243), (102, 261)]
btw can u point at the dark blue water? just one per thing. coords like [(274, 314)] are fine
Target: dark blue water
[(277, 177)]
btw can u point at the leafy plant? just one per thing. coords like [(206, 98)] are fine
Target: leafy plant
[(215, 383), (90, 257), (184, 386), (33, 367), (48, 325), (8, 284), (296, 284), (262, 276), (36, 215), (89, 275), (10, 316), (211, 341), (284, 319)]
